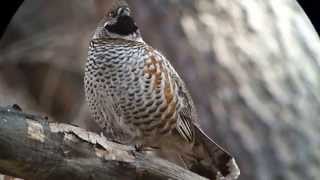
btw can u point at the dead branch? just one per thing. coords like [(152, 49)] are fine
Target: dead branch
[(33, 148)]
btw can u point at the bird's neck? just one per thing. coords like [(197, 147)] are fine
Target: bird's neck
[(100, 33)]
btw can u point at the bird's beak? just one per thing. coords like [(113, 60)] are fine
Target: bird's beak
[(124, 12)]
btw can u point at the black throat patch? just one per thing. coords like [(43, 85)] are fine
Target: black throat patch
[(124, 26)]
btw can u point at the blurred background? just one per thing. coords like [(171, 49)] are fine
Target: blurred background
[(253, 69)]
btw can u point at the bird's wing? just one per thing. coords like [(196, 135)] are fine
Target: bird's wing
[(189, 128), (187, 115)]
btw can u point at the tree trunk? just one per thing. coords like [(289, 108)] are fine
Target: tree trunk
[(253, 69)]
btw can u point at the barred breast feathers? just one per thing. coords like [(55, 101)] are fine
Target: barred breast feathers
[(157, 68)]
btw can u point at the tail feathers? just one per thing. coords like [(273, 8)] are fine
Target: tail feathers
[(215, 161)]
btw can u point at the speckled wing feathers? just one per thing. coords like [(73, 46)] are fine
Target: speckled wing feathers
[(175, 89)]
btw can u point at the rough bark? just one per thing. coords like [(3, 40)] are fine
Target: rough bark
[(253, 69), (33, 148)]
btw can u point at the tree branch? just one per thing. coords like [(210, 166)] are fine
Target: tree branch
[(33, 148)]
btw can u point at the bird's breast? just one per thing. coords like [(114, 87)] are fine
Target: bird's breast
[(140, 84)]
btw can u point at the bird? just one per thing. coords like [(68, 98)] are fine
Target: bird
[(137, 98)]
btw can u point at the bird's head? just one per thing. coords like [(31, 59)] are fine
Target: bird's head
[(118, 23)]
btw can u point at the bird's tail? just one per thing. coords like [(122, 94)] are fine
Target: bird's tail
[(203, 156), (212, 160)]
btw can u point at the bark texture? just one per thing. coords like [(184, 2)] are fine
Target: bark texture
[(33, 148)]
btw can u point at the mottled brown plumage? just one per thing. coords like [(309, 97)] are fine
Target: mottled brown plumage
[(138, 98)]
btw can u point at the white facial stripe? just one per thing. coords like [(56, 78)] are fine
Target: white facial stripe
[(119, 11), (105, 24)]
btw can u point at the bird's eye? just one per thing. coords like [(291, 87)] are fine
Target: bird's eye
[(112, 14)]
